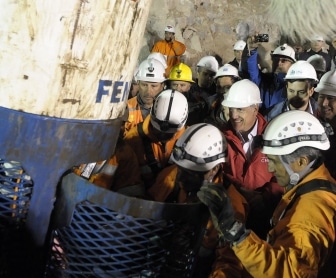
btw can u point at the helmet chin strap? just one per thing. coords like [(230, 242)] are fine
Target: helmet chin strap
[(294, 178)]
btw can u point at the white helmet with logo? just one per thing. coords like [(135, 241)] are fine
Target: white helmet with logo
[(151, 70), (284, 51), (209, 62), (301, 70), (291, 130), (158, 56), (200, 148), (169, 112), (170, 28), (327, 84), (227, 70), (239, 45), (242, 94)]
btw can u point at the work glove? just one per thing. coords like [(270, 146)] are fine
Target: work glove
[(215, 197)]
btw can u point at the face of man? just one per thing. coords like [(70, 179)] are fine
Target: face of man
[(169, 36), (148, 91), (205, 78), (327, 106), (238, 54), (223, 84), (181, 86), (316, 45), (243, 119), (276, 167), (298, 95), (281, 65)]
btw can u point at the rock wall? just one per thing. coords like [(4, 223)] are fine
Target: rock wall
[(209, 27)]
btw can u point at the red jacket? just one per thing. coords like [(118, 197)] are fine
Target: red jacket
[(250, 174)]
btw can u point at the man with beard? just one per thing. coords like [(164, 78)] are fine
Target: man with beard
[(151, 81), (300, 82)]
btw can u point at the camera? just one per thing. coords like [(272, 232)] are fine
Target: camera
[(262, 38)]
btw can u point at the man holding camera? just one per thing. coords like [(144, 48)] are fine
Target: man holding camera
[(271, 84)]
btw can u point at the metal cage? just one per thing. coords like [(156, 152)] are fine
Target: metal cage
[(99, 233), (15, 193)]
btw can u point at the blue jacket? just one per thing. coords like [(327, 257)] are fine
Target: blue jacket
[(271, 85)]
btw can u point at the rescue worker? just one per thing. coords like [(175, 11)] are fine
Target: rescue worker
[(272, 84), (198, 158), (180, 79), (326, 90), (246, 165), (120, 173), (151, 80), (224, 78), (207, 68), (303, 230), (301, 80), (170, 48), (238, 49), (153, 139)]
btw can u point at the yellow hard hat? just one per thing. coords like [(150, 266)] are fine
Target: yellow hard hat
[(181, 72)]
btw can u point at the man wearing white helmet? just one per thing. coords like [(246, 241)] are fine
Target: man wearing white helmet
[(238, 49), (316, 47), (271, 84), (300, 80), (170, 48), (150, 77), (198, 156), (326, 90), (302, 237), (246, 165), (207, 68), (154, 138)]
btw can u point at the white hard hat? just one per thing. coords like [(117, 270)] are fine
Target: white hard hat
[(158, 56), (239, 45), (301, 70), (284, 51), (209, 62), (318, 62), (242, 94), (170, 28), (151, 70), (292, 130), (227, 70), (200, 148), (317, 38), (169, 112), (327, 84)]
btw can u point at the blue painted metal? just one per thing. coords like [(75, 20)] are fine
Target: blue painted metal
[(46, 147)]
